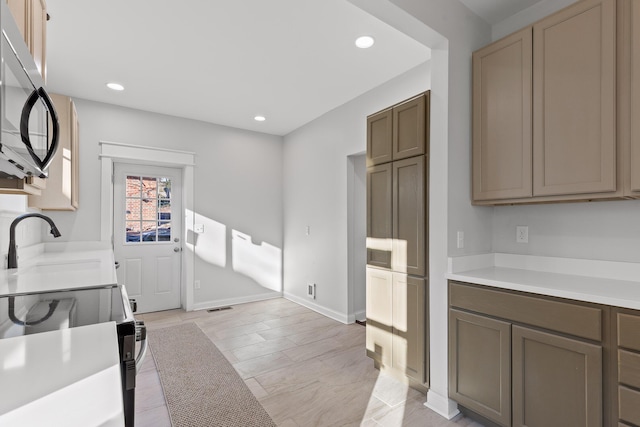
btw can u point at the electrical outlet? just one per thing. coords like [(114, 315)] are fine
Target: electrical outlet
[(522, 234), (460, 239), (196, 284), (198, 228), (307, 230), (311, 290)]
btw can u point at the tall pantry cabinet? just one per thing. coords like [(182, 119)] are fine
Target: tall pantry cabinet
[(397, 239)]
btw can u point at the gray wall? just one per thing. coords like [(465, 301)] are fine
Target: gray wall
[(598, 230), (238, 182), (315, 192)]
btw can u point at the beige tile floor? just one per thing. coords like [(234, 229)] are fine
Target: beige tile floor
[(304, 368)]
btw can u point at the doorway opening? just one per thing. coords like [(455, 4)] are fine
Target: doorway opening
[(357, 235), (183, 162)]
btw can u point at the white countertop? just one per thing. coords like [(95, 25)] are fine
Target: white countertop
[(68, 377), (602, 282), (53, 270)]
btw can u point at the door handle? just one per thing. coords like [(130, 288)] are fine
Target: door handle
[(176, 249)]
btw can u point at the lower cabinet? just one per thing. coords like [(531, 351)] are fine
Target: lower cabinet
[(379, 308), (557, 381), (480, 364), (408, 353), (521, 360), (396, 333)]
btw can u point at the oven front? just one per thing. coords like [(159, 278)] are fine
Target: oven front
[(36, 313)]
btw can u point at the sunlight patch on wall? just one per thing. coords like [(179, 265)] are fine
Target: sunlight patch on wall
[(262, 263), (207, 238)]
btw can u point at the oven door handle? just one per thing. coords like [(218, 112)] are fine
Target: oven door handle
[(141, 335)]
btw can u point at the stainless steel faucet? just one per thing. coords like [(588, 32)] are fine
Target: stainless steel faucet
[(12, 255)]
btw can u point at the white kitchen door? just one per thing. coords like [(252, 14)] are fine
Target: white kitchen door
[(147, 235)]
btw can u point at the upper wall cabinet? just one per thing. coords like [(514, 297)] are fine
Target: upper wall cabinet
[(399, 132), (634, 51), (31, 17), (62, 190), (629, 91), (544, 110)]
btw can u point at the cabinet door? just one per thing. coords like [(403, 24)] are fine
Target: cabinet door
[(31, 17), (409, 216), (410, 128), (502, 119), (634, 102), (379, 136), (38, 34), (379, 214), (557, 381), (20, 13), (480, 365), (75, 157), (379, 315), (409, 327), (574, 63), (62, 184)]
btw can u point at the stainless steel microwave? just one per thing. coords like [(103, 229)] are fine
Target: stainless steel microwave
[(28, 121)]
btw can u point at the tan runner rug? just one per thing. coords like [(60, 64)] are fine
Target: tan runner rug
[(201, 387)]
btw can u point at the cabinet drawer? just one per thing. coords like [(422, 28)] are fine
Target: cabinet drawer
[(573, 319), (629, 331), (629, 405), (629, 368)]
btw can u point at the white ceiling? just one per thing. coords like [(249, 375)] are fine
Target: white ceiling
[(225, 61), (494, 11)]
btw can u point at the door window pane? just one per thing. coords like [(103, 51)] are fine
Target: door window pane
[(133, 186), (133, 209), (149, 188), (164, 232), (164, 210), (164, 191), (148, 209), (133, 231)]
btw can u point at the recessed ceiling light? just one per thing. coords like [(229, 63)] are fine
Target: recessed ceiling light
[(115, 86), (365, 42), (259, 118)]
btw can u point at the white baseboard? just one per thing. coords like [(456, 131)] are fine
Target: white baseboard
[(360, 315), (442, 405), (233, 301), (305, 302)]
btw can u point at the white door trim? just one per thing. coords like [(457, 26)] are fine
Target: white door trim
[(116, 152)]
